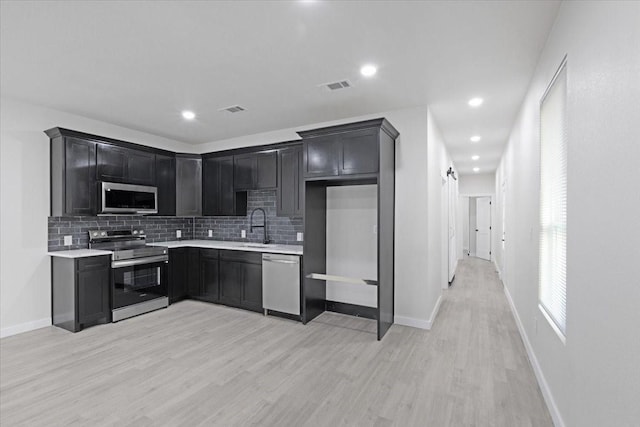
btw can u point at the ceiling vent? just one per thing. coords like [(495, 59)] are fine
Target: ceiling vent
[(342, 84), (233, 109)]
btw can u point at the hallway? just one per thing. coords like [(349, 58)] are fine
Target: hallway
[(213, 365)]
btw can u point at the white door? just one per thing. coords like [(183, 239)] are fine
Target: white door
[(453, 256), (483, 227)]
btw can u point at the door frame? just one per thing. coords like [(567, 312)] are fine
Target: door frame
[(492, 216)]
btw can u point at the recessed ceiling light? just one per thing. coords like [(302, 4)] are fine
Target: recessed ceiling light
[(368, 70), (475, 102), (188, 115), (476, 157), (475, 138), (476, 169)]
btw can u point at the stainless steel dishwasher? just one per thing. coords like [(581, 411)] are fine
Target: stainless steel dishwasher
[(281, 283)]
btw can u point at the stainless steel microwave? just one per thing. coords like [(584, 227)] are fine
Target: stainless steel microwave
[(116, 198)]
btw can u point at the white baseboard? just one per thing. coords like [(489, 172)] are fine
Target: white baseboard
[(498, 270), (419, 323), (542, 382), (24, 327)]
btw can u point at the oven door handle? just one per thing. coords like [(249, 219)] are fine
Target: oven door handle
[(139, 261)]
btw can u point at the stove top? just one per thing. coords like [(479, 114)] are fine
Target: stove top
[(125, 244)]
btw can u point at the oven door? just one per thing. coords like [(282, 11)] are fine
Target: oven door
[(138, 280)]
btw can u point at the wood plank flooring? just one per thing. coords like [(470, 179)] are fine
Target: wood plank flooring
[(196, 364)]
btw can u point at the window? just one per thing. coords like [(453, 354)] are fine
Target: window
[(553, 202)]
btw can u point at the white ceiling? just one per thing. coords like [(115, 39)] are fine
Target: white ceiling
[(138, 64)]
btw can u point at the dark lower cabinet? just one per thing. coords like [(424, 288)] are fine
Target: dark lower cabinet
[(209, 275), (80, 291), (232, 278)]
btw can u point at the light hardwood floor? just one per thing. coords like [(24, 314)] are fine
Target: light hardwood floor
[(199, 364)]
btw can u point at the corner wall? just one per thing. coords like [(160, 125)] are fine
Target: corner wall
[(593, 380)]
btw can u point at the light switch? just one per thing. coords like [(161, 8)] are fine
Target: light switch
[(68, 240), (210, 233), (178, 234), (300, 237)]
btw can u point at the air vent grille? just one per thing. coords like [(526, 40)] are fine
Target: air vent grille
[(342, 84), (233, 109)]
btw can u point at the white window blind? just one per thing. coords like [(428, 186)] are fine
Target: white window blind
[(553, 202)]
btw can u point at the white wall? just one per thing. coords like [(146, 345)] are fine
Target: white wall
[(593, 379), (352, 242), (25, 283), (479, 184)]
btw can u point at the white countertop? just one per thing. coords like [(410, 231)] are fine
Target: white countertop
[(79, 253), (234, 246)]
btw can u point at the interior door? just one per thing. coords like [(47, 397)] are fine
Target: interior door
[(452, 213), (483, 227)]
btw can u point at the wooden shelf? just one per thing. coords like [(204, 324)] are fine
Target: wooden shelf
[(343, 279)]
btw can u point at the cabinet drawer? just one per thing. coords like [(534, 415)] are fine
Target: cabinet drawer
[(242, 256), (94, 262)]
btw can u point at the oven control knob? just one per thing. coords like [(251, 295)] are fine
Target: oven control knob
[(141, 232), (95, 233), (135, 231), (103, 233)]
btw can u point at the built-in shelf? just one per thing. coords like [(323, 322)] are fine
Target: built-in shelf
[(343, 279)]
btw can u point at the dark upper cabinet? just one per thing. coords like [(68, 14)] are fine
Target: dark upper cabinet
[(218, 193), (188, 186), (80, 291), (256, 171), (166, 183), (290, 194), (321, 156), (73, 177), (209, 275), (359, 152), (178, 274), (121, 164)]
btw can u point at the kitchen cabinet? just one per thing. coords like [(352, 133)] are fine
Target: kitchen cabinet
[(290, 193), (188, 186), (353, 152), (80, 291), (194, 287), (209, 275), (126, 165), (218, 194), (241, 279), (73, 176), (178, 274), (256, 171), (166, 183)]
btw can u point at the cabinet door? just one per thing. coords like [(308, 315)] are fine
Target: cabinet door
[(80, 190), (244, 168), (211, 186), (266, 175), (178, 274), (230, 282), (112, 163), (227, 191), (166, 182), (321, 156), (209, 275), (291, 182), (93, 295), (141, 168), (252, 286), (359, 152), (194, 288), (188, 186)]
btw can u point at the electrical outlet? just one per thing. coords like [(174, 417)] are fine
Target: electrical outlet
[(243, 234), (300, 237), (178, 234), (210, 233), (68, 240)]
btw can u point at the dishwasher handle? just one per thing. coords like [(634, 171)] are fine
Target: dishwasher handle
[(280, 261)]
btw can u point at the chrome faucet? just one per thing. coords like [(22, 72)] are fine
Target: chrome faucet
[(265, 240)]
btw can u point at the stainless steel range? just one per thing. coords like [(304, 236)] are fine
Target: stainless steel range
[(138, 272)]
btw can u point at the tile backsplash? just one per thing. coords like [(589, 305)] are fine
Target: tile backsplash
[(280, 230)]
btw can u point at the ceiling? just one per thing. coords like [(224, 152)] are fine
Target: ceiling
[(138, 64)]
